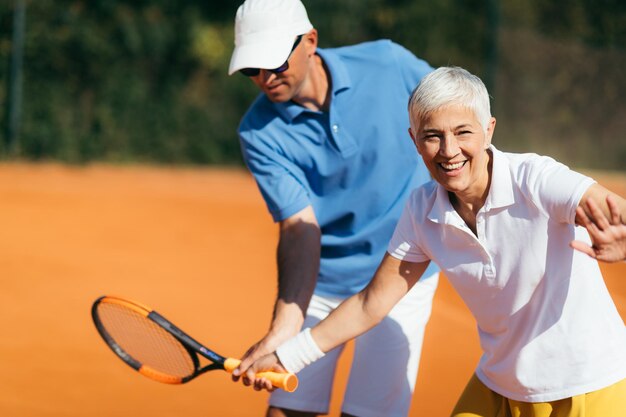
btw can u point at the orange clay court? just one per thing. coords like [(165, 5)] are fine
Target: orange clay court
[(198, 246)]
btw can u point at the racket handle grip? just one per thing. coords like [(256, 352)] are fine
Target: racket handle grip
[(285, 380)]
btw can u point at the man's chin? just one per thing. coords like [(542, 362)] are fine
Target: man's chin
[(277, 98), (279, 94)]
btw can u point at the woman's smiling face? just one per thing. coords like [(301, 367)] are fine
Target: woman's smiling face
[(453, 145)]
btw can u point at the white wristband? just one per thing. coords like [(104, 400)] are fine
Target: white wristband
[(299, 351)]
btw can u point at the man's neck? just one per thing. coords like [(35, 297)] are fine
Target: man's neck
[(316, 92)]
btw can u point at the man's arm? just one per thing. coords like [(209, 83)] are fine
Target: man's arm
[(603, 214), (298, 259)]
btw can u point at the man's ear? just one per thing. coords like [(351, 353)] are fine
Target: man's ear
[(310, 41)]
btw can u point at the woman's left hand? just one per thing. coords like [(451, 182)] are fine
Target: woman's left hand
[(608, 234)]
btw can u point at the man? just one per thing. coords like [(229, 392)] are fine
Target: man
[(327, 145)]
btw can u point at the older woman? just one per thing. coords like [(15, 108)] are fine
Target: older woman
[(503, 228)]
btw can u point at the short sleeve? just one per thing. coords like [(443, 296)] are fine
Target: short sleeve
[(411, 67), (553, 187), (276, 177), (404, 243)]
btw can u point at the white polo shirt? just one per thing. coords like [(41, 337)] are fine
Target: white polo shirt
[(547, 324)]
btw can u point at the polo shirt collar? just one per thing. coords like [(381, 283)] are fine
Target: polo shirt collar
[(340, 80), (500, 194), (338, 71)]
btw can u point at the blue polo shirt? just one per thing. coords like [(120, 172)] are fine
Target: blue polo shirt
[(355, 164)]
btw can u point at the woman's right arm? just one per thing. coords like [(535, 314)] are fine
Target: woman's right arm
[(359, 313), (356, 315)]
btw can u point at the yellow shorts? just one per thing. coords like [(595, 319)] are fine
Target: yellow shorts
[(479, 401)]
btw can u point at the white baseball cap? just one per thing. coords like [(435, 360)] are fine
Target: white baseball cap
[(265, 31)]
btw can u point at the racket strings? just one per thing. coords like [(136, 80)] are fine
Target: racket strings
[(145, 341)]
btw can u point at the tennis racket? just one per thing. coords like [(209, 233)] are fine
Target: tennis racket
[(156, 348)]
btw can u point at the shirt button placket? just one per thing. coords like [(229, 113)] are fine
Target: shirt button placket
[(480, 231), (334, 128)]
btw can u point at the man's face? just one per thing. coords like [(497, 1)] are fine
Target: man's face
[(284, 86), (453, 145)]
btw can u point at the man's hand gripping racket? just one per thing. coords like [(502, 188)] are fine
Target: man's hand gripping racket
[(153, 346)]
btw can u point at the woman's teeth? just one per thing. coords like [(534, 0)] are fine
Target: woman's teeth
[(451, 167)]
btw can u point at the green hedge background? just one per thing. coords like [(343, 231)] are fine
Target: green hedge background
[(145, 81)]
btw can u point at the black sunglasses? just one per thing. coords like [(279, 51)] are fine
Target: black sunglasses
[(253, 72)]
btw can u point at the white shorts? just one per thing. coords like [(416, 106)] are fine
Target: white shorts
[(384, 368)]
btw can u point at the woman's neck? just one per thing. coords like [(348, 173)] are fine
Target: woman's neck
[(468, 204)]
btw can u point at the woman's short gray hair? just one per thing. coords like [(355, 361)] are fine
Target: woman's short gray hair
[(447, 86)]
